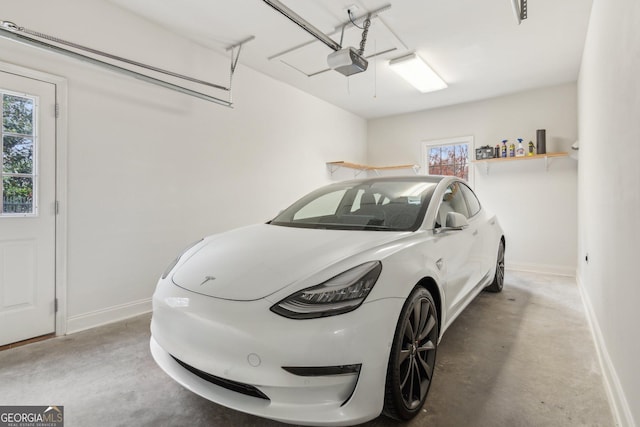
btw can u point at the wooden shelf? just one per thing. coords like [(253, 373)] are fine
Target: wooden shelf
[(546, 158), (535, 156), (334, 166)]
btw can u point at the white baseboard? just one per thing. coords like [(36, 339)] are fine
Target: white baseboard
[(107, 315), (617, 400), (560, 270)]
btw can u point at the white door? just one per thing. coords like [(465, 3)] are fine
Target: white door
[(27, 208)]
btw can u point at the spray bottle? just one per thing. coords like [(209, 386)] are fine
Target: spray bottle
[(503, 152), (512, 150), (520, 149)]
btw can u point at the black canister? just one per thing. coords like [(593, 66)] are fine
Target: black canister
[(541, 141)]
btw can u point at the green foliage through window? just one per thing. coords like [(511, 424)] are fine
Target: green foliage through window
[(17, 164)]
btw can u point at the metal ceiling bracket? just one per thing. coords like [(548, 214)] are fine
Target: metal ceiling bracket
[(324, 70), (338, 29), (11, 31), (240, 43), (519, 10), (234, 60)]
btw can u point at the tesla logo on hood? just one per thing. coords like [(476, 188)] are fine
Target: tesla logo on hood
[(207, 279)]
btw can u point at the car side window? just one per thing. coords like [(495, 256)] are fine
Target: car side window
[(472, 200), (452, 201)]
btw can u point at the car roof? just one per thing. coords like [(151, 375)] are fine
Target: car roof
[(415, 178)]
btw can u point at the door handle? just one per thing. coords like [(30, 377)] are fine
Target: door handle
[(475, 233)]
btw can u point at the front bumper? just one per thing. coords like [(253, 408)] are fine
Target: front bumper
[(244, 342)]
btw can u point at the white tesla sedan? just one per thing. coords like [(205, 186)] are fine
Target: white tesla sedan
[(331, 313)]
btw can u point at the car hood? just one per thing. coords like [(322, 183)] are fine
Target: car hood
[(253, 262)]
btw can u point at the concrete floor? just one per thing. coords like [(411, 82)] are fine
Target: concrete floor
[(524, 357)]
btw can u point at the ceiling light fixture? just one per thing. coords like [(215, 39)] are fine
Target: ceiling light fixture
[(418, 73)]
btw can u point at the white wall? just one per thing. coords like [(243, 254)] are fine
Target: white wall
[(609, 195), (524, 195), (150, 170)]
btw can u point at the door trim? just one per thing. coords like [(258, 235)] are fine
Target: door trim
[(61, 96)]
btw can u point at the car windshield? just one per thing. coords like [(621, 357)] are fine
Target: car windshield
[(384, 205)]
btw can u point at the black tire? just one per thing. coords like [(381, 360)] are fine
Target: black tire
[(413, 357), (498, 278)]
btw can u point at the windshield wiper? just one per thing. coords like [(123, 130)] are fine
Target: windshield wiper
[(335, 226), (378, 227)]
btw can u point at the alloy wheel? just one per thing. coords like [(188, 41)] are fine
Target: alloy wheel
[(417, 355), (500, 266)]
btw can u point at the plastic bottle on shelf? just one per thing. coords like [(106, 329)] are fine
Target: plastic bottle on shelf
[(520, 149), (532, 149), (496, 152), (541, 136), (503, 152), (512, 150)]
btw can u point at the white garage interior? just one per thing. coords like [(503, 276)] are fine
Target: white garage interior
[(140, 171)]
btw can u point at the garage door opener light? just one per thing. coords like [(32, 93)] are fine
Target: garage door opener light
[(346, 61)]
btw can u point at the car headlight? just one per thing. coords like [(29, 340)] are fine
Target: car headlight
[(175, 261), (340, 294)]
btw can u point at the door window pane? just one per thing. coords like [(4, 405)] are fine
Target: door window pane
[(452, 201), (17, 155), (17, 164), (18, 195), (17, 114)]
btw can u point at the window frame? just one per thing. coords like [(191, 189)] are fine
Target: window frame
[(468, 193), (462, 199), (426, 145)]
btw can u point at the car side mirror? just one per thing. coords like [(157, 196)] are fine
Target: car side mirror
[(456, 221)]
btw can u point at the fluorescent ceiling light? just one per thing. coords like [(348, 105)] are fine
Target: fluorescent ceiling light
[(415, 71)]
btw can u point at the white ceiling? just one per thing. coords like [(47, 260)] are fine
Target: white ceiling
[(476, 46)]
